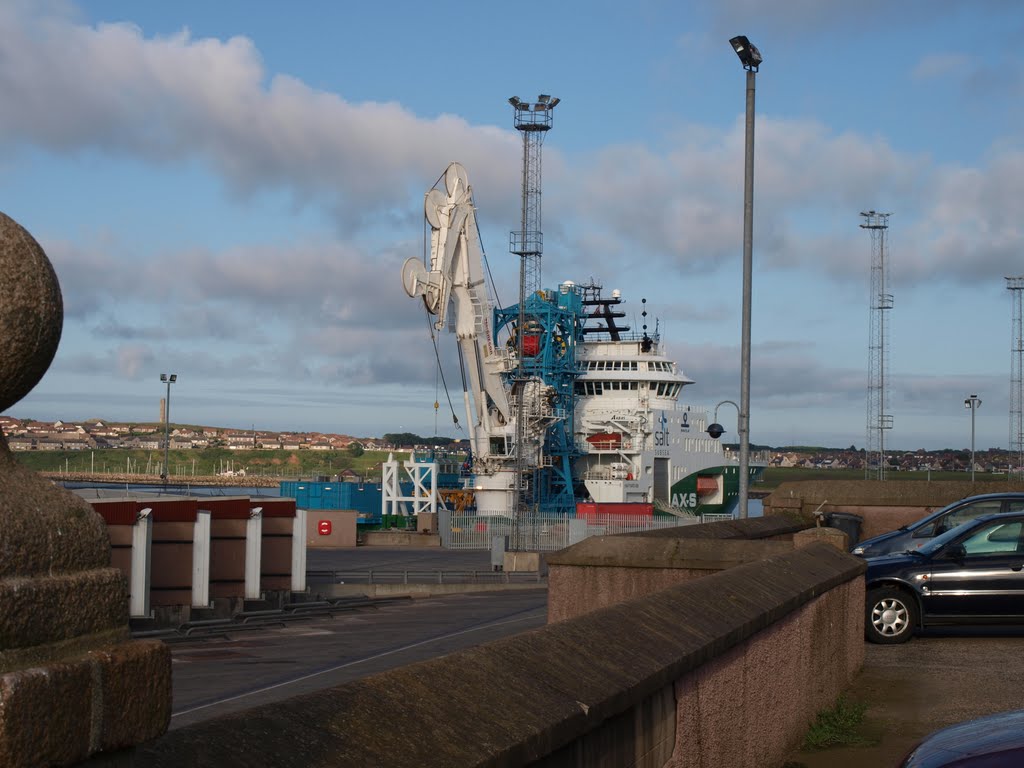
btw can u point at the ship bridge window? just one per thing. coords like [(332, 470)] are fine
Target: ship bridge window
[(499, 446)]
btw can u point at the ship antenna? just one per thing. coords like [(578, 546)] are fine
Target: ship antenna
[(645, 343)]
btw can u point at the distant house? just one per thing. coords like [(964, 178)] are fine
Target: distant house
[(21, 443), (10, 425), (238, 441), (78, 444)]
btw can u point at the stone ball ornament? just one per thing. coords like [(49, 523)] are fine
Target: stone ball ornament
[(31, 312)]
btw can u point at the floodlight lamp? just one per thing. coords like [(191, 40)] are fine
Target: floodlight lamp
[(174, 377), (544, 98), (750, 57), (514, 101), (554, 101), (163, 377)]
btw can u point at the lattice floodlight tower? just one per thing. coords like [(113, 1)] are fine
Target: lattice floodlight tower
[(533, 120), (878, 421), (1016, 285)]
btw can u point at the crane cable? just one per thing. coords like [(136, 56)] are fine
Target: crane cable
[(440, 372)]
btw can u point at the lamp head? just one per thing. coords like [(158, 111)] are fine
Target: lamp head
[(716, 431), (750, 57), (163, 377)]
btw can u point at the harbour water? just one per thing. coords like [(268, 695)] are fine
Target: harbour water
[(173, 489)]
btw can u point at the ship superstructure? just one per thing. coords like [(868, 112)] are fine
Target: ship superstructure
[(597, 416)]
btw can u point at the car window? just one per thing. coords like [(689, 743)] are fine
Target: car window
[(925, 531), (968, 512), (1014, 505), (994, 538)]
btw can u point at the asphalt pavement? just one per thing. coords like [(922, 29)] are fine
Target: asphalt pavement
[(935, 680), (248, 667)]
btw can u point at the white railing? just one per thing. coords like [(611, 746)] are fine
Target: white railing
[(546, 533)]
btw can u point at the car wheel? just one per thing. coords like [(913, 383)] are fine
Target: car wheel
[(890, 615)]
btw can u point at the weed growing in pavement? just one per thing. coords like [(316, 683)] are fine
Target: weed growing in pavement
[(837, 726)]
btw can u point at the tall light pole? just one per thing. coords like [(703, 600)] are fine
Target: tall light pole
[(751, 59), (974, 404), (169, 379)]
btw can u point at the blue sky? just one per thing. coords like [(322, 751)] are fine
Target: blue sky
[(228, 191)]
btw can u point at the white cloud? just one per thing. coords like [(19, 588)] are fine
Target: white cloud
[(942, 65), (69, 87)]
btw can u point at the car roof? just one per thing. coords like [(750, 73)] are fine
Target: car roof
[(1003, 516), (997, 495), (1002, 733)]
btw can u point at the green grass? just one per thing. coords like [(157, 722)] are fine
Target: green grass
[(838, 726), (205, 462), (775, 476)]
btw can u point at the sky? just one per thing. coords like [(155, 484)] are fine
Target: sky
[(227, 191)]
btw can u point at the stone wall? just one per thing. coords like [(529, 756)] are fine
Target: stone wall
[(685, 675), (604, 570), (882, 506)]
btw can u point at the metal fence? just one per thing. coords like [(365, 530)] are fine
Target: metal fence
[(461, 531), (381, 576)]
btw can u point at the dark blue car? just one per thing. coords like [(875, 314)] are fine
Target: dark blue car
[(973, 574), (938, 522), (996, 741)]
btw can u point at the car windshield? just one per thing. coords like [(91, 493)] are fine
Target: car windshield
[(931, 517), (939, 541)]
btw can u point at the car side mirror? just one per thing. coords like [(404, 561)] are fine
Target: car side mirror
[(954, 552)]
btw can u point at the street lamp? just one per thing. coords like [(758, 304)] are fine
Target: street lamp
[(974, 404), (169, 379), (750, 57), (715, 429)]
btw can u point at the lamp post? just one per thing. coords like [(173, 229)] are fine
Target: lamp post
[(715, 429), (169, 379), (973, 403), (751, 59)]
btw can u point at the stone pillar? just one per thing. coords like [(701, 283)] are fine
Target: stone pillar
[(72, 681)]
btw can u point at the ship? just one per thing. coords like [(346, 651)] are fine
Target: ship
[(568, 410)]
